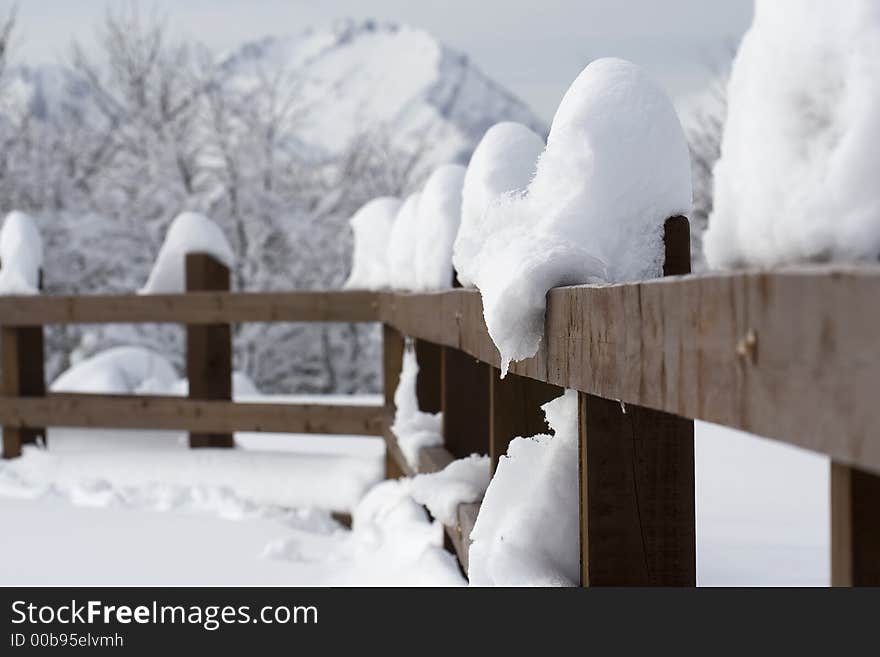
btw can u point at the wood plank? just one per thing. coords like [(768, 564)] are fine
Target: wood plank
[(791, 355), (392, 363), (465, 404), (208, 346), (855, 527), (192, 308), (183, 414), (515, 410)]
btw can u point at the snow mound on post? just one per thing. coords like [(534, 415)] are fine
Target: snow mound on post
[(796, 180), (21, 255), (615, 168), (527, 531), (503, 163), (438, 220), (413, 428), (119, 371), (371, 226), (401, 244), (190, 232)]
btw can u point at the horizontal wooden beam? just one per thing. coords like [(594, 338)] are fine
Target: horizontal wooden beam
[(192, 308), (184, 414), (792, 355)]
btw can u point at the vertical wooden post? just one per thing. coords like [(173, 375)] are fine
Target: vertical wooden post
[(23, 376), (208, 346), (429, 383), (636, 470), (465, 403), (392, 363), (855, 527), (515, 410)]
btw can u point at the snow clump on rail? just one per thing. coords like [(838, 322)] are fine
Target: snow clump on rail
[(439, 216), (503, 163), (796, 177), (371, 228), (616, 166), (21, 255), (190, 232)]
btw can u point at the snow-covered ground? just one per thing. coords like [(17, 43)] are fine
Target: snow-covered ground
[(114, 507)]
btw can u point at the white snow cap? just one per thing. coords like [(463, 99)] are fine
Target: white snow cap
[(190, 232), (796, 180), (21, 255), (119, 370), (527, 531), (439, 217), (615, 168), (401, 244), (371, 226), (503, 162)]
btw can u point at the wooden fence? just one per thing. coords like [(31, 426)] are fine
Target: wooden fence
[(792, 355)]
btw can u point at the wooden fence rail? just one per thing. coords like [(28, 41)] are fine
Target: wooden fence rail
[(792, 355)]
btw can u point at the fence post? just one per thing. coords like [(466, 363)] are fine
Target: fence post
[(208, 346), (392, 363), (23, 376), (429, 383), (636, 471), (515, 410), (465, 401), (855, 527)]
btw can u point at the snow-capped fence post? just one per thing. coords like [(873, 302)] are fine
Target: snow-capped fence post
[(465, 403), (515, 410), (208, 346), (392, 364), (637, 479), (855, 528)]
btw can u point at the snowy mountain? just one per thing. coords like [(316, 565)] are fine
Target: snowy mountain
[(353, 77)]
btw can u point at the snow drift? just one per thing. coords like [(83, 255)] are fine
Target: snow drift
[(401, 242), (439, 216), (503, 163), (371, 227), (796, 177), (120, 371), (527, 532), (461, 482), (616, 166), (21, 255), (190, 232)]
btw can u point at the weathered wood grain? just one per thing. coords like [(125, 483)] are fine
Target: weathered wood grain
[(792, 355), (465, 404), (183, 414), (192, 308)]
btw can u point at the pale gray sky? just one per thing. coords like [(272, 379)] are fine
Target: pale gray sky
[(533, 48)]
